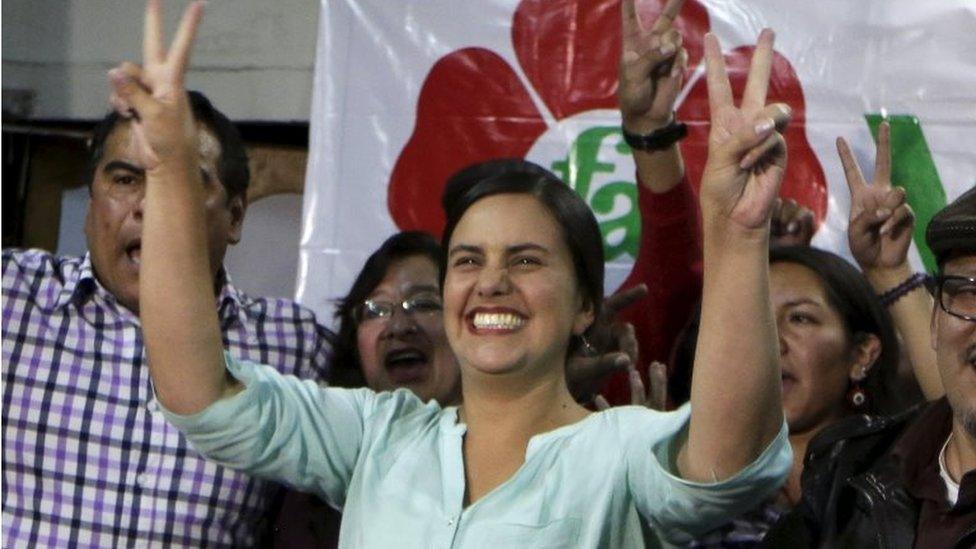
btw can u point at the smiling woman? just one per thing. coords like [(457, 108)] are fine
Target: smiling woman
[(520, 463)]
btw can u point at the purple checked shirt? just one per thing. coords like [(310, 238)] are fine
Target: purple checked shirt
[(88, 460)]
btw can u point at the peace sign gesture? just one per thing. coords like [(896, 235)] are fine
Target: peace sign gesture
[(746, 153), (879, 232), (652, 64), (153, 95)]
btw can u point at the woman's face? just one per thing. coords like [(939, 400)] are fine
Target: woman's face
[(408, 349), (511, 298), (816, 353)]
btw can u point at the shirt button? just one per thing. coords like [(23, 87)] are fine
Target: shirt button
[(142, 480), (153, 406)]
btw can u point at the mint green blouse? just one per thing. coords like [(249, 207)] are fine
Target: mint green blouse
[(393, 464)]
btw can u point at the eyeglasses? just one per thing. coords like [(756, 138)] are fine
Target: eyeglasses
[(372, 310), (957, 296)]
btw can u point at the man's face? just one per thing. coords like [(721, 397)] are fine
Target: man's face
[(954, 340), (113, 226)]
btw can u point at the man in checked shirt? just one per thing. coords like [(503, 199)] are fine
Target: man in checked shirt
[(87, 458)]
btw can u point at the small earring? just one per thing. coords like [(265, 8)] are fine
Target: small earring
[(588, 348), (856, 395)]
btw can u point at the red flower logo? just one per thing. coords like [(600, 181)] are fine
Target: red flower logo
[(475, 106)]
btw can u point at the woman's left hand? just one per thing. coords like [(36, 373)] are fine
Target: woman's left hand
[(746, 152)]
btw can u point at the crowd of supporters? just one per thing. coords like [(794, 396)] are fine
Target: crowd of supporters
[(742, 388)]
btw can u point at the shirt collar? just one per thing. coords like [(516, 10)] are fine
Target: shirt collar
[(231, 302), (918, 451), (78, 285), (952, 487)]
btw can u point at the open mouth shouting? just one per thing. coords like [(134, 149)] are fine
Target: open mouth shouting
[(406, 365), (788, 380), (133, 251), (495, 321)]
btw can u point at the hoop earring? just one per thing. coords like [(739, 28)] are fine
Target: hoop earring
[(856, 395)]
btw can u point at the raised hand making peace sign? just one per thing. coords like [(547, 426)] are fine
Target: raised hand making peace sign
[(879, 234), (735, 388), (746, 153), (153, 95), (652, 64), (651, 67), (881, 221), (176, 275)]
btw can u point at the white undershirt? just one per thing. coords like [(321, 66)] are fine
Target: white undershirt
[(952, 487)]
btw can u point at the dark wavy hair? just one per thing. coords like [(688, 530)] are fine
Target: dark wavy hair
[(347, 369), (576, 221), (848, 293), (232, 166)]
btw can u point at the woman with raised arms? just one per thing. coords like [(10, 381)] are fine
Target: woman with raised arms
[(519, 463)]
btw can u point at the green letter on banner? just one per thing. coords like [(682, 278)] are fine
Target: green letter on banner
[(621, 234), (913, 169)]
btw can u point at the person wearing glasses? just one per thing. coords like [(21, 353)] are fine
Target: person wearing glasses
[(907, 480), (390, 336), (391, 327), (519, 463)]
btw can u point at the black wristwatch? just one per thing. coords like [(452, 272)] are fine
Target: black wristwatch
[(657, 140)]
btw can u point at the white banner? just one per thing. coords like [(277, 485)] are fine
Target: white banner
[(408, 92)]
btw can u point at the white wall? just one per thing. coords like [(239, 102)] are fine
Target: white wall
[(264, 263), (254, 58)]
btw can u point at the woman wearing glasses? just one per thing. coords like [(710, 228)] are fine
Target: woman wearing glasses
[(391, 330), (391, 336), (519, 463)]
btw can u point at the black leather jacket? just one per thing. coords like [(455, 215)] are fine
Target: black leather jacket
[(854, 494)]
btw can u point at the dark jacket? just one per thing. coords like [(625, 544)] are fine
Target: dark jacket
[(854, 485)]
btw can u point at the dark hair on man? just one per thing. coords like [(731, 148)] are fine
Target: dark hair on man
[(515, 175), (848, 293), (347, 368), (232, 166)]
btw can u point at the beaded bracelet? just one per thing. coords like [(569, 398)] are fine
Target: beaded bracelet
[(891, 296)]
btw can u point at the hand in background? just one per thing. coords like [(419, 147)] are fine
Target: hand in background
[(792, 224), (652, 65), (656, 398), (881, 221), (879, 234), (612, 346)]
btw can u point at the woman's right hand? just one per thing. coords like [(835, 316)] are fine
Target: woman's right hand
[(154, 96), (746, 152)]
